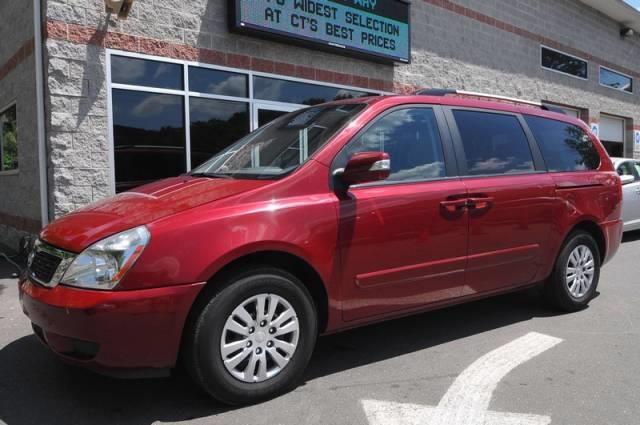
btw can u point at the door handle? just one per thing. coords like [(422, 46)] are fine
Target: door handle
[(454, 205), (479, 203)]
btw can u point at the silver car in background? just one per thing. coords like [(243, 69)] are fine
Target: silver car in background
[(629, 171)]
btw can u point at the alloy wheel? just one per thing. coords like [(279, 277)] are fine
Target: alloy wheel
[(580, 271), (259, 338)]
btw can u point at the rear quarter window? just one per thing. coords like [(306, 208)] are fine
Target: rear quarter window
[(565, 147)]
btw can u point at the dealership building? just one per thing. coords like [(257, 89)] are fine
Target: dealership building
[(97, 97)]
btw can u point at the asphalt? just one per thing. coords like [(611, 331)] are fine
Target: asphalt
[(591, 377)]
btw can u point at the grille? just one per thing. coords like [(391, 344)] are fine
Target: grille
[(44, 265)]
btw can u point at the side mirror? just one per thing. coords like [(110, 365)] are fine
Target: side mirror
[(626, 179), (366, 167)]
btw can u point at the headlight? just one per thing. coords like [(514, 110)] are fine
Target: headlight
[(104, 264)]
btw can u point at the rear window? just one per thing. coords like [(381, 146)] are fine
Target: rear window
[(565, 147), (493, 143)]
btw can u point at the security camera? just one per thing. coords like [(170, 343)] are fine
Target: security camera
[(119, 7), (627, 32)]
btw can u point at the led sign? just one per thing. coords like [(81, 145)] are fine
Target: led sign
[(378, 29)]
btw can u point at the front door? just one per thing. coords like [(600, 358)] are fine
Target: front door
[(511, 199), (402, 242)]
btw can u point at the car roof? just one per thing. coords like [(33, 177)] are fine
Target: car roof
[(478, 102)]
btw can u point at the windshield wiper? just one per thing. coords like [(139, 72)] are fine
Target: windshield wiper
[(212, 175)]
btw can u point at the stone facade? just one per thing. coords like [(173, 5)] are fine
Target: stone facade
[(20, 212), (467, 44)]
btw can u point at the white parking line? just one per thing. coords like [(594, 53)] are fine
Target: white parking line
[(467, 400)]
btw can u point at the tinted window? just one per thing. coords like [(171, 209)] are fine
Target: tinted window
[(149, 137), (493, 143), (143, 72), (616, 81), (8, 140), (205, 80), (565, 147), (637, 165), (300, 93), (564, 63), (412, 140), (215, 124)]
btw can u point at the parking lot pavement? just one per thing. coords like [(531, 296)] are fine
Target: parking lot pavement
[(587, 373)]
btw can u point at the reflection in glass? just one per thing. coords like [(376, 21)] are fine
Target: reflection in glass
[(265, 116), (212, 81), (564, 147), (564, 63), (8, 140), (143, 72), (615, 80), (412, 140), (215, 124), (493, 143), (300, 93), (149, 137)]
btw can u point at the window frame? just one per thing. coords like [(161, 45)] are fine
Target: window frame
[(5, 108), (450, 165), (542, 47), (186, 93), (539, 166), (601, 67)]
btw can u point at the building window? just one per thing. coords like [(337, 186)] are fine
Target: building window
[(212, 81), (171, 116), (616, 80), (148, 137), (215, 124), (148, 73), (8, 139), (557, 61), (300, 93)]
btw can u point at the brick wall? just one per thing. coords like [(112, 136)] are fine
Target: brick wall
[(495, 47), (470, 44), (19, 191)]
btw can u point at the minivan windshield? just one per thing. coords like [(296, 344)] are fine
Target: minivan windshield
[(281, 146)]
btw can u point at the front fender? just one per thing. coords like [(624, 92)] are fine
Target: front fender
[(193, 245)]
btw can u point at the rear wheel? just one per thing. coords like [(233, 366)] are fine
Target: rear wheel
[(252, 340), (575, 276)]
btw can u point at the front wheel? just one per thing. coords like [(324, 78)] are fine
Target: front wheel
[(576, 273), (253, 340)]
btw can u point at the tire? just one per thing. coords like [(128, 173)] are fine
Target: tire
[(561, 290), (204, 339)]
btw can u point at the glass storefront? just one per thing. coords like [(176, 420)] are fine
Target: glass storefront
[(171, 116)]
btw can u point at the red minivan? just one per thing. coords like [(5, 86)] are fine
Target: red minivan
[(328, 218)]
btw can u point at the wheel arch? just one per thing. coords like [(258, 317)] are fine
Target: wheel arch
[(592, 228), (281, 259)]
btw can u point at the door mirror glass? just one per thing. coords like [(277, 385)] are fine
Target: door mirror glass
[(366, 167), (626, 179)]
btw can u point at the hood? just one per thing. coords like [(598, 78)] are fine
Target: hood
[(76, 231)]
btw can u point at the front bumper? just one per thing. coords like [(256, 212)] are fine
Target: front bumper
[(110, 331)]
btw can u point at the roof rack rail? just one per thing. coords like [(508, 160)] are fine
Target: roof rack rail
[(446, 92)]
